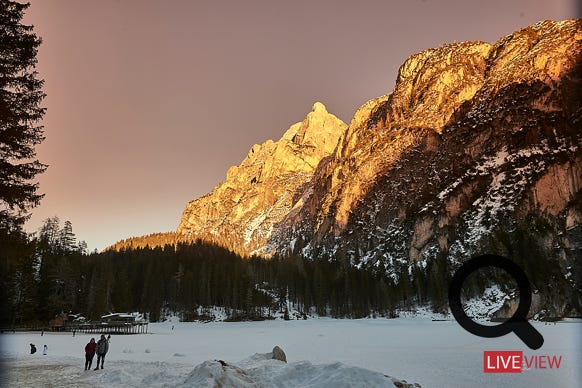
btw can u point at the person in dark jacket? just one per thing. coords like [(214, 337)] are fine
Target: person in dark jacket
[(102, 348), (90, 353), (32, 349)]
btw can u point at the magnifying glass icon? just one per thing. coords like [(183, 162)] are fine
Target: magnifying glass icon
[(517, 323)]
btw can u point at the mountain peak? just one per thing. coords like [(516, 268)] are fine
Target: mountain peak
[(318, 107), (241, 211)]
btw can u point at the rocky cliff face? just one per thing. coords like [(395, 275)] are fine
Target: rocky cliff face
[(240, 212), (477, 149)]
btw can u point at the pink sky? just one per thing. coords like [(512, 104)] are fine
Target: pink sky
[(149, 102)]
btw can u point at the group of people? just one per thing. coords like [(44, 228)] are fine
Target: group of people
[(100, 347), (33, 349)]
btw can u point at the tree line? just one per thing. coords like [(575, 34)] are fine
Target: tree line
[(54, 274), (51, 273)]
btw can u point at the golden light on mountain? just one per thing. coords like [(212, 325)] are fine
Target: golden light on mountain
[(241, 211)]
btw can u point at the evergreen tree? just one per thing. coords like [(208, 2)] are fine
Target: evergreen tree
[(83, 247), (49, 236), (59, 268), (67, 239), (20, 96)]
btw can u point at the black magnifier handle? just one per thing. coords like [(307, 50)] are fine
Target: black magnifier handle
[(528, 334), (517, 323)]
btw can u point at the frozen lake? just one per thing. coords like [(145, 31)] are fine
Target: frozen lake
[(433, 354)]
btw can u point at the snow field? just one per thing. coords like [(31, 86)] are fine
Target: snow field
[(320, 353)]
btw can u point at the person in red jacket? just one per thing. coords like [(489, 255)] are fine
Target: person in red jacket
[(90, 353)]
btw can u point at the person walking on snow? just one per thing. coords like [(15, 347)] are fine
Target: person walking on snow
[(45, 350), (90, 353), (102, 348)]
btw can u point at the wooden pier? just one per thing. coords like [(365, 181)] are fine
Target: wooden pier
[(112, 327)]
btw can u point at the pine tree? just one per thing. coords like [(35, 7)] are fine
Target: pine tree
[(82, 247), (20, 96), (67, 239), (49, 236)]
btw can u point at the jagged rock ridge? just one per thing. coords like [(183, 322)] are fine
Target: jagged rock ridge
[(240, 212)]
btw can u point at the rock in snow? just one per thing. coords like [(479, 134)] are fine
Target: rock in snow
[(279, 354)]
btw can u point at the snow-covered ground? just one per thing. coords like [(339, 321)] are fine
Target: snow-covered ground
[(320, 352)]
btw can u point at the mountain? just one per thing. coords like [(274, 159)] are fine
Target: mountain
[(477, 149), (472, 132), (240, 212)]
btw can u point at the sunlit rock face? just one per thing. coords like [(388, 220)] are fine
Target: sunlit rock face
[(477, 142), (241, 211)]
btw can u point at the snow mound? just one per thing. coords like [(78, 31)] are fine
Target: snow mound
[(219, 374), (261, 370)]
